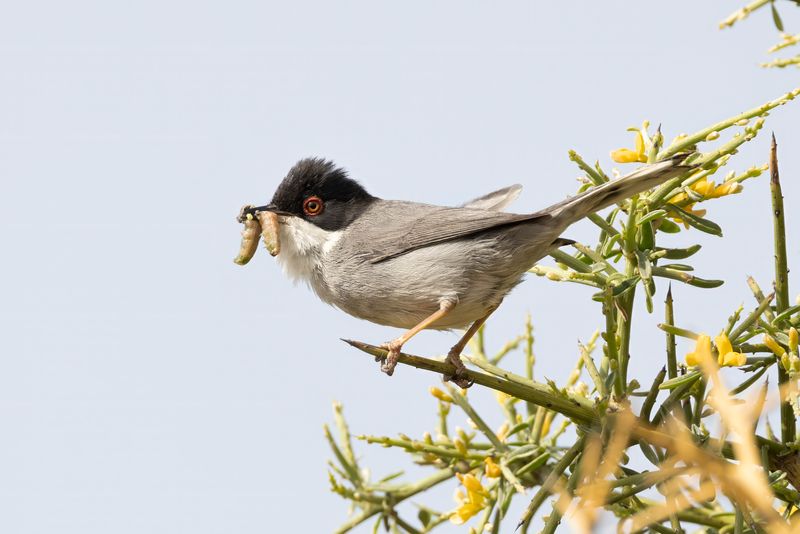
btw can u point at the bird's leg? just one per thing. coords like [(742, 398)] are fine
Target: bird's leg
[(454, 355), (396, 345)]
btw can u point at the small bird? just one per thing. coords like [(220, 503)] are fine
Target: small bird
[(420, 266)]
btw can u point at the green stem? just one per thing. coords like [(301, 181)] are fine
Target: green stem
[(347, 444), (788, 430), (669, 319), (751, 318), (682, 332), (603, 224), (686, 278), (462, 401), (594, 374), (408, 491), (572, 406), (650, 400), (741, 14), (530, 361), (610, 337), (550, 481), (687, 142), (756, 289), (350, 469), (555, 516), (570, 261), (595, 177), (624, 309), (648, 481), (420, 447)]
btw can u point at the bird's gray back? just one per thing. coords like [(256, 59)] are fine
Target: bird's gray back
[(475, 271)]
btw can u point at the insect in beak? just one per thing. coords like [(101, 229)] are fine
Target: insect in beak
[(263, 220), (269, 231)]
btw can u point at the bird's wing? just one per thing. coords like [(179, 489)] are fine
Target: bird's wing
[(437, 225), (496, 200)]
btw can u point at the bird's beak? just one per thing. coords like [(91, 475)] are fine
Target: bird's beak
[(273, 209), (252, 210)]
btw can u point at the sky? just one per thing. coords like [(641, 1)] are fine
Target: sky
[(149, 384)]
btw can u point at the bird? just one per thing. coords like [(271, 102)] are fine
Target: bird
[(421, 266)]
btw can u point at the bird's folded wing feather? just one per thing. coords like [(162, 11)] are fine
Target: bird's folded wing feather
[(437, 225), (496, 200)]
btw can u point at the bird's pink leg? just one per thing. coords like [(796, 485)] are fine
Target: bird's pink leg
[(396, 345), (454, 355)]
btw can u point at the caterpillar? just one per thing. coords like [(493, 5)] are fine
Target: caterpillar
[(252, 229), (269, 231)]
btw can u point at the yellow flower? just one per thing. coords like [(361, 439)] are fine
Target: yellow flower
[(793, 339), (707, 190), (439, 394), (703, 187), (726, 188), (726, 356), (677, 199), (773, 346), (472, 502), (626, 155), (491, 469), (702, 351), (733, 359)]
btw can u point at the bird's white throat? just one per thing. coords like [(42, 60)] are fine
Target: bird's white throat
[(303, 246)]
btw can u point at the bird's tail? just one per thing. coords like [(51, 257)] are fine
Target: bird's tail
[(578, 207)]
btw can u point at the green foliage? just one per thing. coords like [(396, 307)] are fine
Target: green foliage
[(787, 40), (569, 446)]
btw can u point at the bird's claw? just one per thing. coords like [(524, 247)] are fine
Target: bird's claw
[(458, 378), (390, 361)]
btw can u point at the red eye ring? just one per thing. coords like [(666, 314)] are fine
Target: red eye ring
[(312, 206)]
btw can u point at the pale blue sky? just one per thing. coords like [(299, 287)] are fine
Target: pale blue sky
[(148, 384)]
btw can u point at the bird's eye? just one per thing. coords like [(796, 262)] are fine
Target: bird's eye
[(312, 206)]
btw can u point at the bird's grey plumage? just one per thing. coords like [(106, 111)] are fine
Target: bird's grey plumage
[(496, 200), (435, 224), (397, 262), (422, 226)]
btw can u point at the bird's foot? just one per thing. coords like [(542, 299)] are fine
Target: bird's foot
[(390, 361), (458, 378)]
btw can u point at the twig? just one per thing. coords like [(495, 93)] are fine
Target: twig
[(515, 385), (550, 481), (788, 430)]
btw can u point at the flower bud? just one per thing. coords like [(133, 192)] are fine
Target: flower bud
[(793, 338), (774, 346), (439, 394), (502, 432), (491, 469)]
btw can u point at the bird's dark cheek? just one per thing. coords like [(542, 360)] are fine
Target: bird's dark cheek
[(325, 221)]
